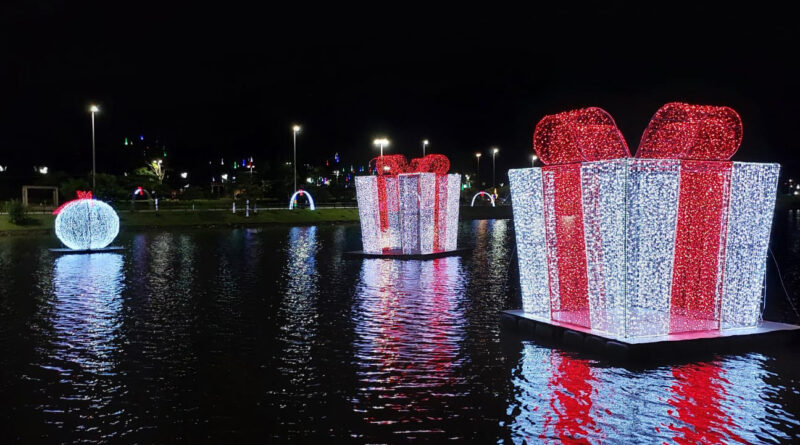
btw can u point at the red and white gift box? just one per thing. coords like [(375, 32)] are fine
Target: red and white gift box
[(673, 240), (409, 208)]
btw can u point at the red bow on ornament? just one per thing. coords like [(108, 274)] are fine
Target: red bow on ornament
[(81, 195)]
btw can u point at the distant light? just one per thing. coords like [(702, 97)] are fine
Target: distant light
[(477, 155), (495, 150), (94, 109), (224, 176), (126, 141), (296, 128), (534, 157), (2, 169), (43, 170), (184, 175), (381, 142), (425, 142), (141, 137)]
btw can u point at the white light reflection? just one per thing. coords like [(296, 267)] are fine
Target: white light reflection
[(409, 328), (85, 315), (561, 397), (298, 310)]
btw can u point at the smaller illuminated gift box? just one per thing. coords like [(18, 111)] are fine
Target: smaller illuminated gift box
[(673, 240), (409, 208)]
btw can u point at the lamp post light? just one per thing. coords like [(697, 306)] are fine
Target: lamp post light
[(381, 142), (533, 160), (295, 130), (494, 153), (478, 173), (94, 109), (424, 144)]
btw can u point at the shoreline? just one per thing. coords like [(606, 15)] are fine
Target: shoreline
[(43, 223)]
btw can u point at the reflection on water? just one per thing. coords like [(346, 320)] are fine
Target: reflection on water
[(84, 323), (562, 397), (268, 335), (408, 328)]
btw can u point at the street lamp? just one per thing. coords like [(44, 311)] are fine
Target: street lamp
[(494, 153), (478, 173), (533, 160), (94, 109), (424, 144), (381, 142), (295, 130)]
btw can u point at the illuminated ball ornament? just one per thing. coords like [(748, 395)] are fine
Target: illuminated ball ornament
[(86, 223)]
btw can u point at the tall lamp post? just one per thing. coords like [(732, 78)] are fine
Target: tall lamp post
[(381, 142), (295, 130), (478, 173), (94, 109), (424, 144), (494, 153)]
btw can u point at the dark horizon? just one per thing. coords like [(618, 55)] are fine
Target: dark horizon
[(211, 83)]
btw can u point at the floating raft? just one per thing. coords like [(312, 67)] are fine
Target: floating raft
[(66, 250), (768, 333), (399, 255)]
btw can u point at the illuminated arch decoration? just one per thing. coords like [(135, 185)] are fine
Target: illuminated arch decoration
[(86, 223), (669, 242), (409, 208), (301, 192), (482, 193)]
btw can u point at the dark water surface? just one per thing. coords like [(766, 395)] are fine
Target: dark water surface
[(269, 335)]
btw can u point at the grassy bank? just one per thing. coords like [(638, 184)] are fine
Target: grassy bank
[(138, 220)]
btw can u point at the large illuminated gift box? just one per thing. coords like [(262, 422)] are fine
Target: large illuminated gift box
[(671, 241), (409, 208)]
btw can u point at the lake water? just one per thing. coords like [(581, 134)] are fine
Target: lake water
[(268, 334)]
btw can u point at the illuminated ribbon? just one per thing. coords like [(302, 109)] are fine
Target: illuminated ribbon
[(703, 137), (81, 195), (562, 141)]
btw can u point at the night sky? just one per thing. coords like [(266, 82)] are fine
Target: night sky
[(228, 81)]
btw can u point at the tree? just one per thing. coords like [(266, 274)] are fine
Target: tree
[(159, 169)]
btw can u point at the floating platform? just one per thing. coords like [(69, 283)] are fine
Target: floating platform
[(399, 255), (67, 250), (651, 347)]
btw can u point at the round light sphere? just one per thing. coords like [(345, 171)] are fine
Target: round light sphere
[(87, 224)]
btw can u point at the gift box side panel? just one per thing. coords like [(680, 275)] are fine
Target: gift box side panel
[(409, 213), (566, 250), (651, 217), (752, 205), (368, 214), (527, 205), (451, 213), (391, 234), (603, 186), (700, 245), (427, 209)]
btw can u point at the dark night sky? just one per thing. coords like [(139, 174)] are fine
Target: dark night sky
[(230, 81)]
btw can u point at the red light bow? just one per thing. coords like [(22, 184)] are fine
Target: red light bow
[(81, 195), (587, 134), (390, 164), (698, 132), (393, 165)]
